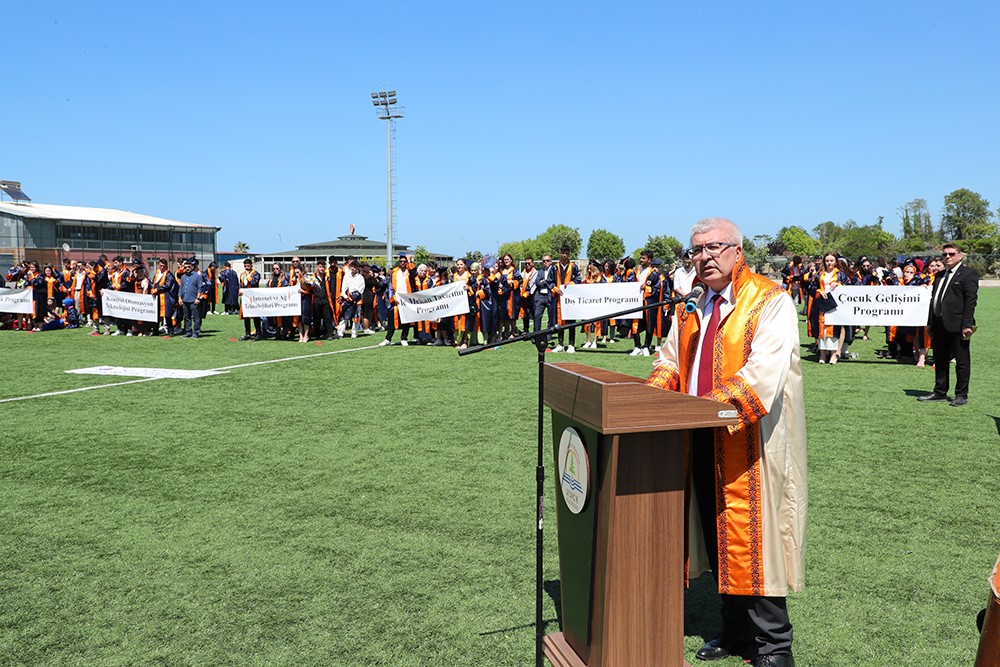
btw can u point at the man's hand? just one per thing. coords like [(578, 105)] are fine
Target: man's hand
[(966, 333)]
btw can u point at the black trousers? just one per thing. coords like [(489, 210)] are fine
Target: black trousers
[(760, 621), (542, 303), (950, 345)]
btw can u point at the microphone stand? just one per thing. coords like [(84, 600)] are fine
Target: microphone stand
[(540, 339)]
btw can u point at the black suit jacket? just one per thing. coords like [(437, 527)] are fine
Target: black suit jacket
[(958, 303)]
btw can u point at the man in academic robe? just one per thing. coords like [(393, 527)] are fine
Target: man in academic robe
[(322, 308), (527, 314), (748, 481), (165, 288), (250, 278), (403, 279), (566, 273), (952, 319), (230, 282)]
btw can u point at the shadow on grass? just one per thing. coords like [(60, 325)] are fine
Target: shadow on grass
[(554, 590), (996, 421), (702, 608)]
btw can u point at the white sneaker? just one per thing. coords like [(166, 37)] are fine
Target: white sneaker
[(570, 350), (558, 348), (368, 331), (645, 351), (657, 348), (636, 352), (354, 334), (117, 333), (384, 343), (404, 343)]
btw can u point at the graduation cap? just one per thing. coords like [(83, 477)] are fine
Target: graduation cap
[(657, 262)]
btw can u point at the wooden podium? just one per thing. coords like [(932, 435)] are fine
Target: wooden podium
[(621, 551)]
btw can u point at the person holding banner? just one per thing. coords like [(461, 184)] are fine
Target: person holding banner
[(952, 319), (465, 325), (403, 279), (249, 279), (35, 281), (566, 273), (827, 280), (748, 482)]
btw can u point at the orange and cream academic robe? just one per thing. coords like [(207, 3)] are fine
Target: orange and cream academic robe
[(761, 501)]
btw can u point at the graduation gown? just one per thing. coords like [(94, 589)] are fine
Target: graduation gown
[(760, 462)]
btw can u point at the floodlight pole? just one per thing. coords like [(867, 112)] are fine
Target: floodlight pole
[(388, 110)]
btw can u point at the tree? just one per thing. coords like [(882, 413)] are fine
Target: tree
[(663, 246), (917, 223), (755, 251), (556, 236), (421, 255), (868, 240), (797, 241), (828, 233), (966, 216), (521, 249), (474, 256), (603, 244), (241, 247)]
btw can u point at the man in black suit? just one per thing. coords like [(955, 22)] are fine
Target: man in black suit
[(952, 320)]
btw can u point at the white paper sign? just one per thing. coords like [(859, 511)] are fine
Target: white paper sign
[(129, 306), (16, 301), (271, 301), (434, 303), (900, 306), (584, 302)]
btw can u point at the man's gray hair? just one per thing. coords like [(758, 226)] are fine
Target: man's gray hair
[(732, 232)]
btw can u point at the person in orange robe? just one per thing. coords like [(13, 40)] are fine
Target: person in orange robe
[(747, 481)]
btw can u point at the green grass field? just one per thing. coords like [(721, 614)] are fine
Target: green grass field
[(376, 506)]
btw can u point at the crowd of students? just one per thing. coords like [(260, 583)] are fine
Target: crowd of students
[(353, 299), (809, 283), (505, 299)]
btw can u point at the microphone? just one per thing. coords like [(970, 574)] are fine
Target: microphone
[(691, 300)]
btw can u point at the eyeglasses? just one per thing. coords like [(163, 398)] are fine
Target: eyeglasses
[(949, 254), (710, 249), (546, 260)]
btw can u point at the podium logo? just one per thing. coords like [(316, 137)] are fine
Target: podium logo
[(574, 470)]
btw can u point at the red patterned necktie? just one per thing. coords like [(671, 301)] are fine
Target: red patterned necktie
[(708, 347)]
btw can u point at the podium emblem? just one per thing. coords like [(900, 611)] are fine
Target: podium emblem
[(574, 470)]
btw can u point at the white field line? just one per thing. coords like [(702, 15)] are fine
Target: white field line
[(223, 368), (73, 391)]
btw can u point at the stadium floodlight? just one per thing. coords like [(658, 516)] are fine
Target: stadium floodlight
[(389, 111)]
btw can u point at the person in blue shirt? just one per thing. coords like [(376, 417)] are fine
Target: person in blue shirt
[(190, 296)]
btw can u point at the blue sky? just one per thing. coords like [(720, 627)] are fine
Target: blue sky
[(636, 118)]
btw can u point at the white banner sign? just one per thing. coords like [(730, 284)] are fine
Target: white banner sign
[(129, 306), (434, 303), (899, 306), (271, 301), (16, 301), (584, 302)]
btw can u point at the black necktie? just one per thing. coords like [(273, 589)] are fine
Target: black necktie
[(939, 297)]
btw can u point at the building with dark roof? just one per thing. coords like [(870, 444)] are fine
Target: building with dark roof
[(351, 245)]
